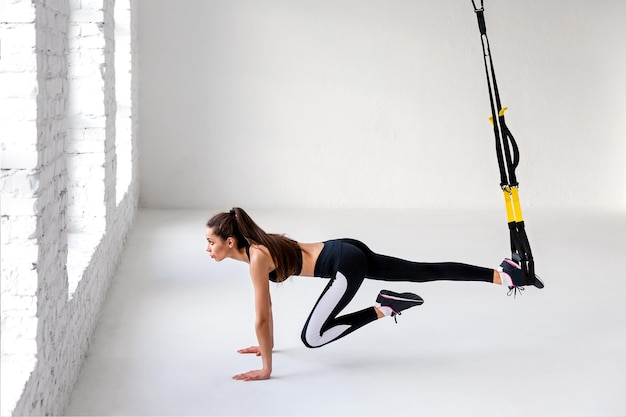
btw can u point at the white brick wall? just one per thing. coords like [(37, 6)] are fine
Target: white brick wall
[(45, 129), (123, 96), (19, 182), (89, 97)]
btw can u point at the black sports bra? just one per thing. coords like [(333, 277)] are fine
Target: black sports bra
[(272, 275)]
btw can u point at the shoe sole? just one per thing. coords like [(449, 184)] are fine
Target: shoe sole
[(407, 297)]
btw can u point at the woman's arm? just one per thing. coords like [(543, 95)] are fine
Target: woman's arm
[(271, 322), (255, 349), (259, 267)]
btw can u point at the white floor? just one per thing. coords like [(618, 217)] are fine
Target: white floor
[(167, 339)]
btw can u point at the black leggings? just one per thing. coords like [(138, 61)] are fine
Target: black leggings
[(347, 262)]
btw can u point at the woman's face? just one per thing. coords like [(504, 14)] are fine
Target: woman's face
[(216, 246)]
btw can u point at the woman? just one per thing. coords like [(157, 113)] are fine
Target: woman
[(346, 262)]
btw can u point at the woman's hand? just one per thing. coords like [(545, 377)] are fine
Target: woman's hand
[(252, 349), (254, 375)]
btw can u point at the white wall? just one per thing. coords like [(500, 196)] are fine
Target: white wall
[(51, 49), (376, 103)]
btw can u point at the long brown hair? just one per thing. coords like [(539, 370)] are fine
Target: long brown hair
[(238, 224)]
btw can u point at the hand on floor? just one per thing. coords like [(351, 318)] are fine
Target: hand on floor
[(253, 375), (252, 349)]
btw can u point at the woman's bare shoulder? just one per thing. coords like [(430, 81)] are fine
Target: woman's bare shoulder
[(260, 254)]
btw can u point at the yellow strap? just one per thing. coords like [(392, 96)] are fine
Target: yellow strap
[(512, 203), (517, 205), (509, 204)]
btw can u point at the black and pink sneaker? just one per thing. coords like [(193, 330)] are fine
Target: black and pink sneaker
[(514, 270), (398, 302)]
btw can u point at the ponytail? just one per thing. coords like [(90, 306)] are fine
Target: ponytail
[(237, 223)]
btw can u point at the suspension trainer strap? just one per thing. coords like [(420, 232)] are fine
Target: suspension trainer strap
[(507, 153)]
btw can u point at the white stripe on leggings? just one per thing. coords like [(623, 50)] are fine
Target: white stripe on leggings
[(322, 311)]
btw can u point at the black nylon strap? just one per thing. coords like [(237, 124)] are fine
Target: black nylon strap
[(505, 144), (504, 139)]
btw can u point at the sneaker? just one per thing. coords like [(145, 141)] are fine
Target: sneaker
[(514, 270), (398, 302)]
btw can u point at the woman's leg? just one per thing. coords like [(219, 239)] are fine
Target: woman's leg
[(323, 326), (387, 268), (355, 262)]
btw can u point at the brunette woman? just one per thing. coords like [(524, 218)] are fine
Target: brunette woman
[(346, 263)]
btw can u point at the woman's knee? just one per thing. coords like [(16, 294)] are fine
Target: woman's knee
[(314, 338), (309, 338), (309, 342)]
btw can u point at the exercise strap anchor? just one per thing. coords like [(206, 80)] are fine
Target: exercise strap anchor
[(508, 159)]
